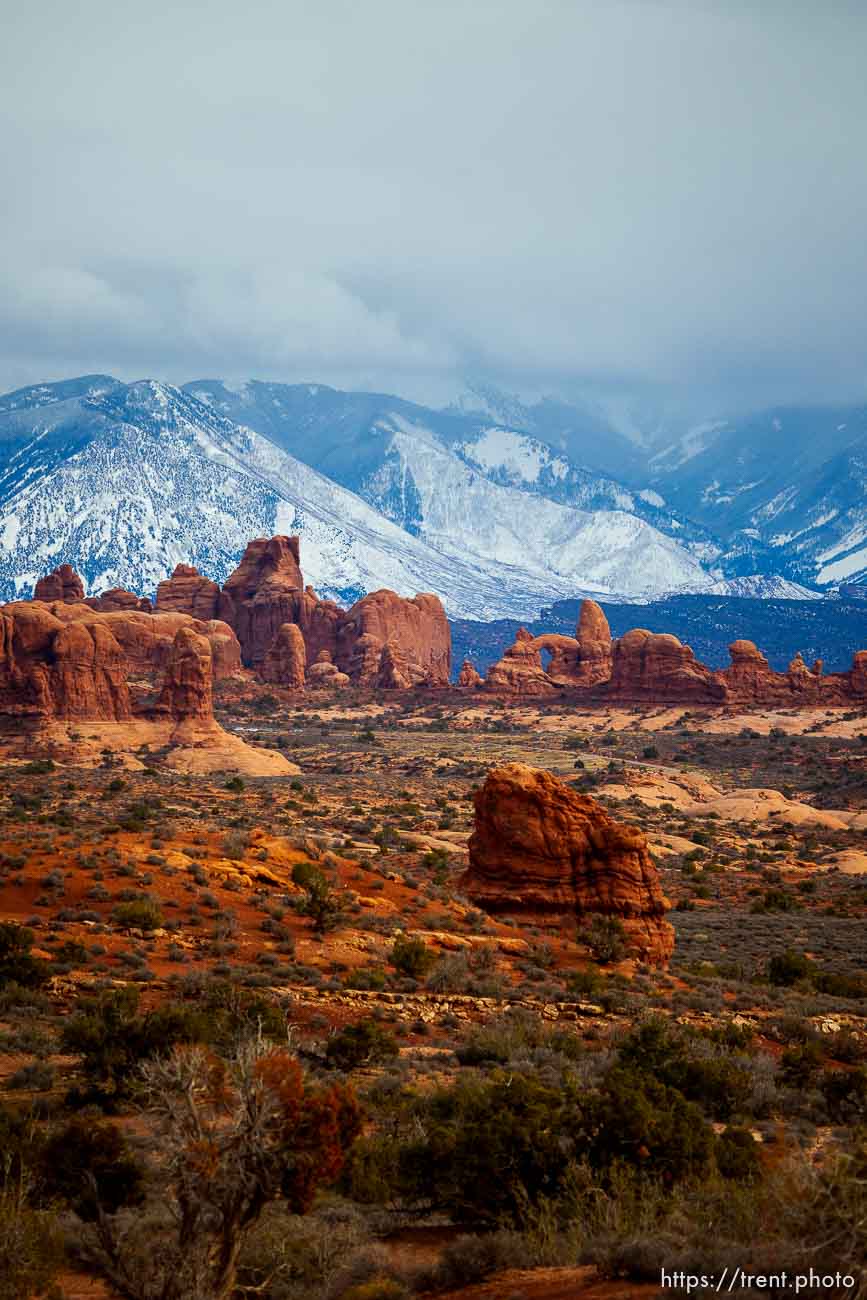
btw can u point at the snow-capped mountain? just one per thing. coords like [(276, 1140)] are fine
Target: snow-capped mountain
[(365, 441), (124, 481), (786, 490)]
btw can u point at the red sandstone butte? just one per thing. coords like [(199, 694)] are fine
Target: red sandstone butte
[(540, 849)]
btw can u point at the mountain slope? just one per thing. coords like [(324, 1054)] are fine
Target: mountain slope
[(353, 438), (142, 476), (785, 488)]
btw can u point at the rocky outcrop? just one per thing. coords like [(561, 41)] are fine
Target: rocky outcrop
[(55, 670), (520, 670), (395, 669), (262, 594), (751, 681), (286, 660), (579, 662), (656, 667), (324, 673), (593, 635), (61, 584), (417, 631), (267, 591), (188, 592), (539, 849), (117, 600), (187, 693), (65, 664), (469, 677)]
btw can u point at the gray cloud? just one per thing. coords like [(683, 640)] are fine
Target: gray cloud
[(550, 193)]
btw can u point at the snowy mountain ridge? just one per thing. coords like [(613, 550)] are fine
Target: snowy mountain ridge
[(125, 481)]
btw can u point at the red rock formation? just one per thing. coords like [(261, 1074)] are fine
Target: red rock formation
[(594, 646), (656, 667), (187, 693), (188, 592), (318, 620), (395, 670), (286, 660), (539, 849), (262, 594), (119, 601), (858, 675), (62, 584), (580, 662), (266, 591), (325, 673), (520, 670), (147, 639), (55, 670), (417, 630), (469, 677)]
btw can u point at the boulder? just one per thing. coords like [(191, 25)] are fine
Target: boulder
[(540, 849), (325, 673)]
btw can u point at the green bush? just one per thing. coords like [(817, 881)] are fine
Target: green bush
[(89, 1167), (788, 967), (367, 1043), (411, 957), (737, 1155), (112, 1039), (17, 964), (605, 937), (142, 914)]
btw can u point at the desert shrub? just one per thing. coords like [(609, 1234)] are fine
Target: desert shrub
[(235, 1137), (800, 1063), (17, 964), (486, 1149), (787, 968), (737, 1155), (31, 1251), (605, 937), (718, 1083), (320, 902), (143, 914), (89, 1167), (379, 1288), (411, 957), (366, 1043), (845, 1093), (112, 1039), (36, 1076)]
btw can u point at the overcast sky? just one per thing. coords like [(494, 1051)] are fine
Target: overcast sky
[(400, 193)]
